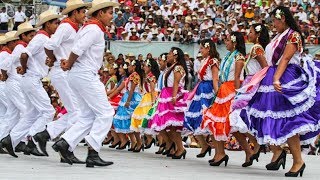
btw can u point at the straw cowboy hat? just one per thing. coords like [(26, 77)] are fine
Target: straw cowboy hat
[(2, 40), (25, 27), (100, 4), (74, 4), (47, 16), (10, 36)]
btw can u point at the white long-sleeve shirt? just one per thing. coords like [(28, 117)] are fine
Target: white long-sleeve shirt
[(61, 42), (37, 56), (13, 61), (89, 46)]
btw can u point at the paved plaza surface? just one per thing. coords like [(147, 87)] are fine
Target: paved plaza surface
[(145, 165)]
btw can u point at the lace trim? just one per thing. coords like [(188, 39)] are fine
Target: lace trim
[(138, 117), (134, 129), (132, 103), (302, 130), (145, 104), (198, 131), (169, 99), (224, 100), (123, 131), (117, 117), (214, 118), (178, 110), (167, 124), (203, 96), (196, 114), (236, 122)]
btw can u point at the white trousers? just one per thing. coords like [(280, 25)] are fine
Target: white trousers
[(96, 113), (3, 101), (39, 110), (15, 106), (60, 83)]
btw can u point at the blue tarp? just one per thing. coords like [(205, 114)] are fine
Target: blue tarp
[(60, 3)]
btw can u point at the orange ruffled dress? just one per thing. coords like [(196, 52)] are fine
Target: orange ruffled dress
[(216, 117)]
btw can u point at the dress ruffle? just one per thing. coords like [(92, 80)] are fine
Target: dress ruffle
[(202, 100), (168, 114), (216, 118), (274, 117), (122, 119)]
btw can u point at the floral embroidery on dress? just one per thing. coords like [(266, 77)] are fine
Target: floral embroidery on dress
[(179, 69), (257, 51), (295, 38), (239, 57), (135, 78)]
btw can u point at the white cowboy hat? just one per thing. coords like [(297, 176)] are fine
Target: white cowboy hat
[(100, 4), (73, 5), (2, 40), (10, 36), (47, 16), (25, 27)]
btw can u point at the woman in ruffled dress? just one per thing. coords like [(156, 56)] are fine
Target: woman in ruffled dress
[(115, 95), (152, 72), (204, 94), (285, 108), (172, 104), (129, 101), (216, 118), (146, 124), (255, 62)]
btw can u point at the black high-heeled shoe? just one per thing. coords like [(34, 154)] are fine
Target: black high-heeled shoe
[(225, 159), (150, 144), (124, 146), (134, 147), (108, 142), (281, 161), (183, 154), (161, 150), (211, 161), (138, 150), (167, 152), (251, 159), (208, 150), (295, 174), (114, 146)]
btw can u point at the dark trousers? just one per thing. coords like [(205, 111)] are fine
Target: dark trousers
[(16, 24), (4, 26)]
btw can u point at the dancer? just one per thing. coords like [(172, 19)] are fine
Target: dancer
[(204, 94), (114, 97), (3, 98), (128, 103), (152, 72), (16, 99), (57, 48), (147, 121), (84, 62), (255, 62), (33, 68), (216, 118), (172, 103), (285, 108)]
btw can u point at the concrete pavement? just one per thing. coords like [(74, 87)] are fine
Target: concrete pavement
[(144, 166)]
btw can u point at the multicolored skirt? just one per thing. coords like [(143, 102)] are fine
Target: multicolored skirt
[(202, 99), (168, 114), (275, 116), (141, 111), (122, 119), (216, 117), (147, 121), (240, 101)]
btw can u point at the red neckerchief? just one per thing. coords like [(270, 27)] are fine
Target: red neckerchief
[(6, 49), (24, 44), (99, 24), (41, 31), (72, 24)]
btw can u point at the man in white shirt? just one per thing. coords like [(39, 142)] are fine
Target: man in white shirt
[(16, 108), (57, 48), (166, 12), (4, 19), (19, 17), (33, 67), (130, 25), (302, 15), (84, 62)]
